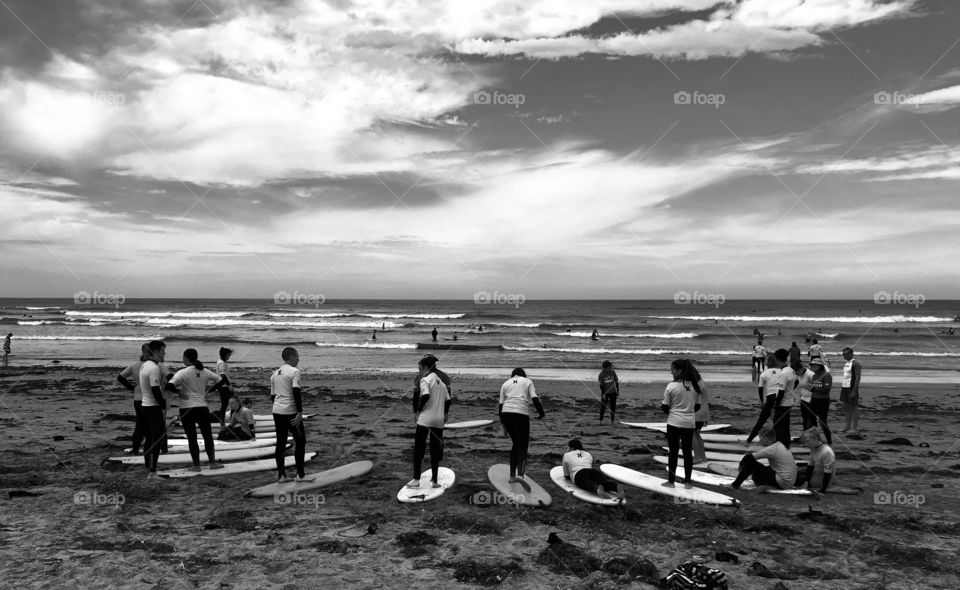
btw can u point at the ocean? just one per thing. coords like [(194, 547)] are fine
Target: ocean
[(899, 341)]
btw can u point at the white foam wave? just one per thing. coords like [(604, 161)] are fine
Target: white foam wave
[(609, 335), (513, 324), (159, 314), (188, 323), (41, 308), (880, 319), (366, 345), (117, 338), (416, 316)]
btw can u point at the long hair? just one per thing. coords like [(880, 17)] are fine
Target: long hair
[(688, 373), (191, 355)]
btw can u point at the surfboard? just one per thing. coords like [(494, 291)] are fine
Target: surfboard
[(426, 492), (181, 445), (723, 438), (313, 480), (532, 495), (556, 474), (739, 448), (662, 426), (713, 479), (664, 460), (269, 417), (234, 468), (184, 458), (652, 483), (467, 424)]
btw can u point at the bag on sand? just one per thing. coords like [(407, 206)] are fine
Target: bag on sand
[(691, 575)]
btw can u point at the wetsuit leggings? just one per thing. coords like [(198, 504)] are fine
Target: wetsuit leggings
[(225, 395), (806, 415), (781, 424), (677, 439), (284, 428), (138, 429), (611, 400), (762, 475), (420, 449), (820, 408), (190, 419), (758, 364), (590, 479), (154, 433), (518, 427)]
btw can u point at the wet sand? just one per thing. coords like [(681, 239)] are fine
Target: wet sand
[(202, 532)]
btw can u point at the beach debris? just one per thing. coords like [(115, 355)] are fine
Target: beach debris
[(484, 573), (691, 574), (727, 556), (899, 440), (758, 569), (924, 445), (936, 485), (59, 437), (554, 538), (22, 494)]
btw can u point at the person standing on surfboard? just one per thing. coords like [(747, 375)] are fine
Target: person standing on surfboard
[(516, 395), (432, 404), (609, 390), (681, 400), (782, 472), (429, 359), (192, 383), (288, 412), (578, 468), (154, 405)]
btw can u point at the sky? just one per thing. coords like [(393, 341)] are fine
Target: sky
[(427, 149)]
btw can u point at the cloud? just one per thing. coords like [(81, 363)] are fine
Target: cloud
[(912, 163)]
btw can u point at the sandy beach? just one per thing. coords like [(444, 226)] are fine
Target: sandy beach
[(128, 532)]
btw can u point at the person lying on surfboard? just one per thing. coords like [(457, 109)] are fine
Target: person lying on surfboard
[(432, 404), (782, 472), (821, 455), (578, 468)]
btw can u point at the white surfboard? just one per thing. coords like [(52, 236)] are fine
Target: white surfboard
[(654, 484), (234, 468), (556, 474), (467, 424), (530, 495), (731, 471), (723, 438), (269, 417), (425, 491), (662, 426), (313, 480), (181, 445), (184, 458), (713, 479), (716, 456), (740, 448), (664, 460)]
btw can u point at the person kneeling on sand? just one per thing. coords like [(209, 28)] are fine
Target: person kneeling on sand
[(782, 472), (240, 422), (822, 458), (578, 468)]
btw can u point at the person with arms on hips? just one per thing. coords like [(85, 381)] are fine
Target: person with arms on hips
[(130, 379), (681, 400), (240, 422), (288, 413), (770, 390), (609, 390), (578, 468), (192, 383), (226, 389), (850, 391), (154, 404), (7, 349), (516, 395), (432, 405), (782, 472), (822, 461)]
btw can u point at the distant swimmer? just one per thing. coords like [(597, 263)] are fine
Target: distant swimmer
[(578, 468), (434, 334), (6, 349), (595, 334), (609, 390), (374, 335), (480, 328)]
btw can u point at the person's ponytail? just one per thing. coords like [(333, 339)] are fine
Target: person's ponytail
[(194, 358)]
